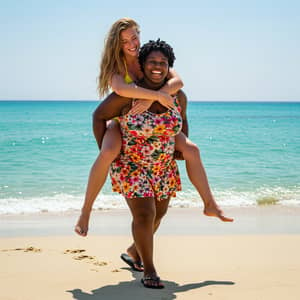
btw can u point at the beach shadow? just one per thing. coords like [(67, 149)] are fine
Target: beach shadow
[(134, 290)]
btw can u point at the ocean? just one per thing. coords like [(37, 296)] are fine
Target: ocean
[(251, 152)]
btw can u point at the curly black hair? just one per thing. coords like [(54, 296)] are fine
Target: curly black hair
[(157, 45)]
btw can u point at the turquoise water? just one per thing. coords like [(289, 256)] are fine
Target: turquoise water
[(250, 151)]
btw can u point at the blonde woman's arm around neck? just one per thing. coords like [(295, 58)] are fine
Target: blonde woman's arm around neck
[(120, 87), (131, 90), (174, 84)]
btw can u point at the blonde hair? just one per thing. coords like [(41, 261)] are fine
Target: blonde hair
[(112, 60)]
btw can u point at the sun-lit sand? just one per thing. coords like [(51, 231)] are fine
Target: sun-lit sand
[(256, 257)]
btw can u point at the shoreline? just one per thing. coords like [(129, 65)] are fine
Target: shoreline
[(261, 220)]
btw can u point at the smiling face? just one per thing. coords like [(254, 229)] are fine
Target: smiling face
[(130, 42), (156, 68)]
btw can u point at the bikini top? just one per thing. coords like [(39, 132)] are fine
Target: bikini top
[(127, 77)]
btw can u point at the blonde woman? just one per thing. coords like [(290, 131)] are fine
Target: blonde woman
[(119, 70)]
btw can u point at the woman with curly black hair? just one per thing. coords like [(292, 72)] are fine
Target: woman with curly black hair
[(145, 172)]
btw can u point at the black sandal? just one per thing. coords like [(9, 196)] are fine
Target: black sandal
[(155, 280), (136, 266)]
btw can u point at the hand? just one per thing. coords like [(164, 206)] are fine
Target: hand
[(165, 100), (140, 106), (178, 155)]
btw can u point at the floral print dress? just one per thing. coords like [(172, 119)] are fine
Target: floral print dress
[(146, 166)]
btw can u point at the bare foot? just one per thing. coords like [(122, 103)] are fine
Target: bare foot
[(82, 225), (132, 252), (213, 210)]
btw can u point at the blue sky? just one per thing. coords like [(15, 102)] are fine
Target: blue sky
[(226, 50)]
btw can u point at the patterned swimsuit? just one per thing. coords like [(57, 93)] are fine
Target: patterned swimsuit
[(146, 166)]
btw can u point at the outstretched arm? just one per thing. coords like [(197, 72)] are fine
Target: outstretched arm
[(109, 108)]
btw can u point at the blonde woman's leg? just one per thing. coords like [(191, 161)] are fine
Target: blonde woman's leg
[(111, 147), (198, 177)]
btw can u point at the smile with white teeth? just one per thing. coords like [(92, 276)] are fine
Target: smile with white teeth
[(156, 72)]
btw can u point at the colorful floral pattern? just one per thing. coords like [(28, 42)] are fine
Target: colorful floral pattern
[(145, 166)]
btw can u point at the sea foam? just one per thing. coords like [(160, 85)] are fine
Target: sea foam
[(185, 199)]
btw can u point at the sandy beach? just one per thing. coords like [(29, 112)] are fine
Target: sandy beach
[(256, 257)]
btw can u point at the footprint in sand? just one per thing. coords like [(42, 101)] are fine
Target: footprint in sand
[(91, 259), (28, 249), (100, 263), (74, 251), (87, 258)]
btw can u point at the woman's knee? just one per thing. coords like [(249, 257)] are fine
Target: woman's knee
[(191, 150), (109, 153), (111, 145), (144, 217), (186, 146), (161, 209), (160, 214)]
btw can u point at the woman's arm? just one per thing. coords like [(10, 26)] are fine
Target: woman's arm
[(174, 83), (109, 108), (185, 128), (131, 90), (171, 87), (183, 104)]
